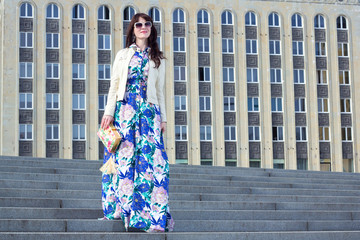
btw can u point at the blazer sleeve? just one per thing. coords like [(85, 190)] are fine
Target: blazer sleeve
[(114, 83), (160, 88)]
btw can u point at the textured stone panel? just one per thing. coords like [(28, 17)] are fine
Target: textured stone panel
[(251, 61), (181, 149), (343, 63), (251, 32), (52, 26), (52, 55), (78, 56), (203, 30), (253, 119), (101, 150), (52, 117), (78, 86), (104, 27), (298, 62), (345, 92), (26, 25), (178, 29), (79, 149), (320, 35), (254, 150), (78, 116), (204, 89), (158, 29), (325, 150), (346, 120), (321, 63), (275, 61), (347, 150), (324, 120), (104, 56), (25, 116), (52, 149), (322, 91), (253, 89), (228, 60), (204, 59), (278, 150), (277, 119), (103, 86), (180, 88), (297, 34), (26, 55), (206, 150), (342, 36), (227, 31), (300, 119), (274, 33), (78, 26), (229, 89), (276, 90), (301, 150), (125, 26), (299, 90), (179, 59), (180, 118), (229, 118), (230, 150), (52, 86), (205, 118), (100, 115), (25, 86), (26, 148)]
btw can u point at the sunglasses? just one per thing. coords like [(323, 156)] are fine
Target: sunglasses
[(139, 25)]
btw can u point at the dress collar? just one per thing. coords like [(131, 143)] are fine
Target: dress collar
[(137, 49)]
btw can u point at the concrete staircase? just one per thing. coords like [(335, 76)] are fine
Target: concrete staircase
[(61, 199)]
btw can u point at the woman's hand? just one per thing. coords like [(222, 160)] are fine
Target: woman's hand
[(163, 127), (106, 120)]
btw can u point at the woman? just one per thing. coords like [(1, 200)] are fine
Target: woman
[(138, 193)]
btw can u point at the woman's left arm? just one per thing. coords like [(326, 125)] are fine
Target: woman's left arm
[(160, 94)]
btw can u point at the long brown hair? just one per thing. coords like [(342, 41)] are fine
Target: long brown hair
[(155, 54)]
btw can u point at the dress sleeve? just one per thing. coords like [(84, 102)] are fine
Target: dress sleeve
[(114, 83), (160, 90)]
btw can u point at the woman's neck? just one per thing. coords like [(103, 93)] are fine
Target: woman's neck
[(141, 43)]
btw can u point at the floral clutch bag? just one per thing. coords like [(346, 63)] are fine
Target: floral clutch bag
[(110, 137)]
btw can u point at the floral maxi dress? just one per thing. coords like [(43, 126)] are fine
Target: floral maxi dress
[(138, 193)]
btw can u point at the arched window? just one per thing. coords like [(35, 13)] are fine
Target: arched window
[(26, 10), (52, 11), (203, 17), (154, 13), (226, 18), (341, 22), (250, 19), (296, 21), (78, 12), (129, 12), (178, 16), (319, 21), (103, 13), (274, 20)]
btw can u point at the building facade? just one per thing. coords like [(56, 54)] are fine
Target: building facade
[(271, 84)]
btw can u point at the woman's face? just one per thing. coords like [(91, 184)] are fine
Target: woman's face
[(144, 31)]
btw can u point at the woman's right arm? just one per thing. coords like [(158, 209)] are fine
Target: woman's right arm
[(108, 116)]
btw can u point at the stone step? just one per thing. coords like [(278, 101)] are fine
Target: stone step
[(90, 213), (173, 182), (285, 235), (191, 205), (85, 225)]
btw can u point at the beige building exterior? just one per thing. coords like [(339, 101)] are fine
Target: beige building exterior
[(271, 84)]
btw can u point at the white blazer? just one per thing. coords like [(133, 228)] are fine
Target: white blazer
[(155, 82)]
